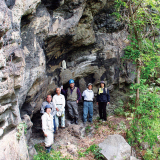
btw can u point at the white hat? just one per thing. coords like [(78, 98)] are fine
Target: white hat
[(59, 114)]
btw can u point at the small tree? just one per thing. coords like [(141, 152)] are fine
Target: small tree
[(143, 20)]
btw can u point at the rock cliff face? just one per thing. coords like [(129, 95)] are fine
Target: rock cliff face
[(36, 36)]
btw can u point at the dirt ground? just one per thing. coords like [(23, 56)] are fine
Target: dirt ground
[(75, 138)]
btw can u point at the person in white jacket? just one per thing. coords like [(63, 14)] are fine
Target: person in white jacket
[(88, 96), (47, 127), (59, 104)]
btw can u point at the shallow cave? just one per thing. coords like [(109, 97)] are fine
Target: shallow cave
[(37, 123), (36, 118)]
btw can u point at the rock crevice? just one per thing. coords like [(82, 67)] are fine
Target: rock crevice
[(37, 36)]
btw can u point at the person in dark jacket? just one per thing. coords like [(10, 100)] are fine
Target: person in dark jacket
[(103, 98)]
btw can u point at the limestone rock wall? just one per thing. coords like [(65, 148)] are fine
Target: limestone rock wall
[(37, 35)]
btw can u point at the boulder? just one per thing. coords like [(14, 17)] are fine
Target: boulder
[(115, 148), (65, 76), (32, 151), (11, 148), (133, 158)]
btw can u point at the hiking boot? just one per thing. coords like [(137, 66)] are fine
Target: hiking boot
[(72, 120), (91, 122), (76, 122)]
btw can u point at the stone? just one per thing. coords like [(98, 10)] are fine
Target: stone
[(27, 120), (75, 130), (83, 35), (4, 107), (1, 132), (145, 145), (115, 148), (11, 148), (32, 151), (2, 60), (133, 158), (65, 76), (5, 18), (71, 148), (82, 84)]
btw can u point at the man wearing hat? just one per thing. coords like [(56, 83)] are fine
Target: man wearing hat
[(73, 96), (103, 98), (88, 96), (47, 127)]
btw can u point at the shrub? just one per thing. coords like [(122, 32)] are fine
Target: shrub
[(145, 126), (95, 150), (119, 111), (42, 155)]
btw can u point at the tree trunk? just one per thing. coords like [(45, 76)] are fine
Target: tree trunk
[(139, 46), (138, 82)]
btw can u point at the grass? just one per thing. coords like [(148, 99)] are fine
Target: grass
[(87, 129), (95, 150), (53, 155)]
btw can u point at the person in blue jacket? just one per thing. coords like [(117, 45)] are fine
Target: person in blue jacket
[(103, 98)]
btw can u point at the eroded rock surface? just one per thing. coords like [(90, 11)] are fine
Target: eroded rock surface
[(36, 36)]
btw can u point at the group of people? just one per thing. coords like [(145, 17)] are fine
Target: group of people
[(54, 108)]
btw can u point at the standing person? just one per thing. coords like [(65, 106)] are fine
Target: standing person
[(103, 98), (59, 104), (53, 112), (73, 96), (47, 127), (88, 96)]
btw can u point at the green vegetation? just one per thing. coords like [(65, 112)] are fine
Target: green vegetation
[(145, 126), (152, 154), (143, 20), (98, 123), (42, 155), (22, 127), (122, 126), (119, 111), (87, 129), (95, 150)]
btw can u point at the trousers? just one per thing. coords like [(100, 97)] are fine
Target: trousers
[(54, 124), (87, 109), (73, 109), (102, 110), (62, 117)]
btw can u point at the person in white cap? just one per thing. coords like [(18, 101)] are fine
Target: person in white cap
[(88, 96)]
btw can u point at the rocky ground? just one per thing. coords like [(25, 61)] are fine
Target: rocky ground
[(77, 138)]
